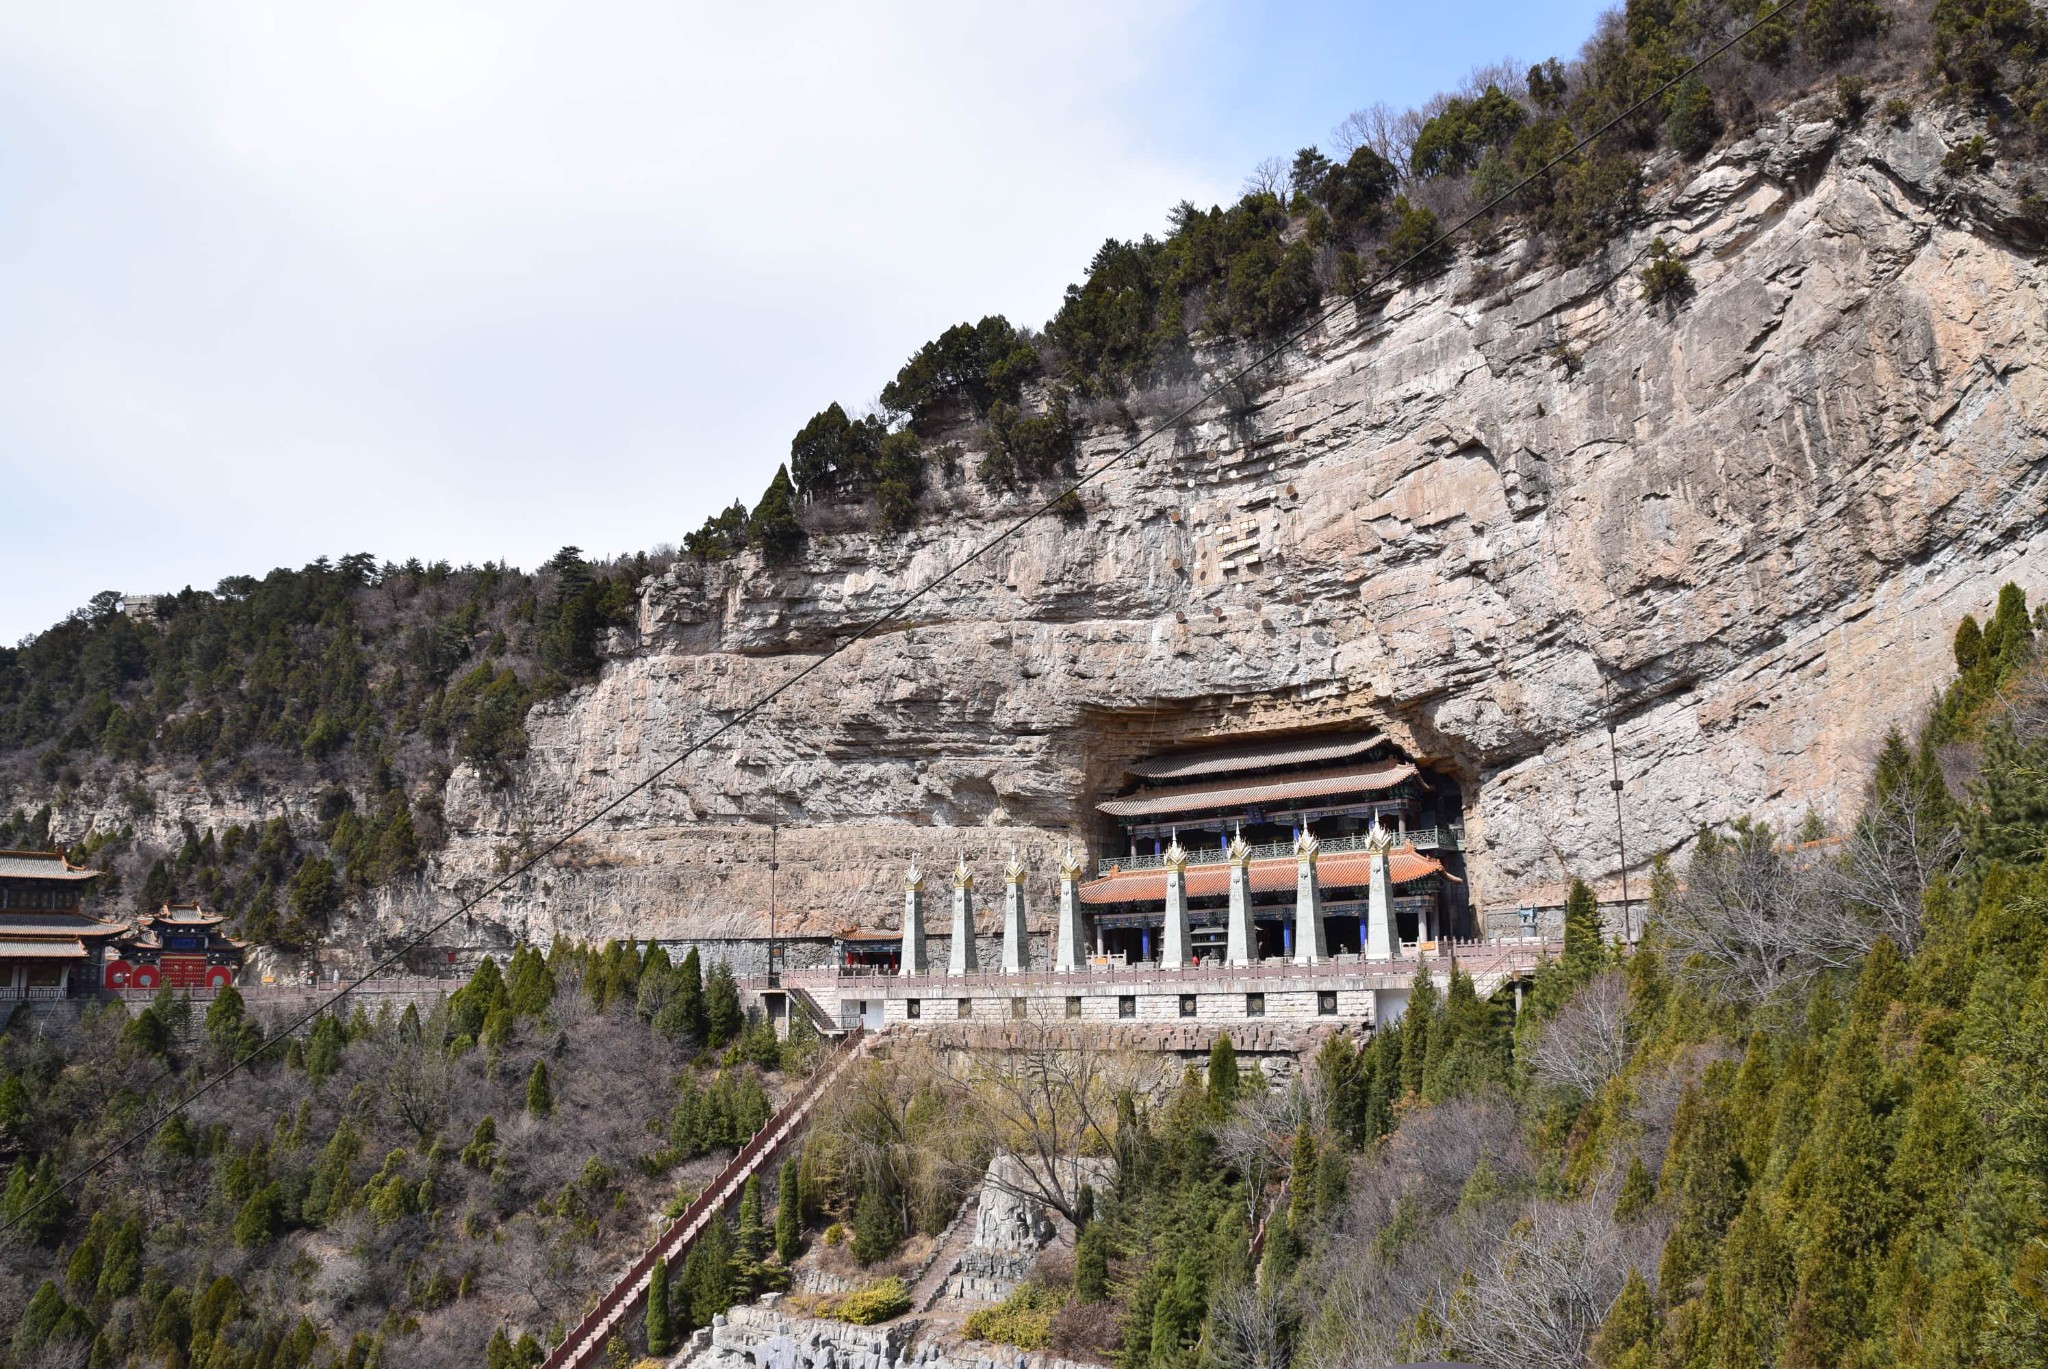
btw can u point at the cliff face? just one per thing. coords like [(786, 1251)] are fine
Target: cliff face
[(1510, 506)]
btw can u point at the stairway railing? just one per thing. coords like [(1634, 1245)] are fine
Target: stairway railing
[(584, 1345)]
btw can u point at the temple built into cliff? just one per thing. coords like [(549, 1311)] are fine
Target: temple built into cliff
[(1307, 859)]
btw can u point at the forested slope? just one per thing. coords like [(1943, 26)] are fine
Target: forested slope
[(1805, 1124), (399, 1189)]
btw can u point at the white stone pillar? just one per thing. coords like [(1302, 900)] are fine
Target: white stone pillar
[(960, 957), (1379, 918), (914, 960), (1173, 943), (1016, 934), (1309, 945), (1070, 950), (1242, 945)]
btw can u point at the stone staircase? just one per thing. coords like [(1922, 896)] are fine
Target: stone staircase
[(585, 1345)]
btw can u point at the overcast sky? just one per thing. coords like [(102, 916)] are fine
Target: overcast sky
[(474, 282)]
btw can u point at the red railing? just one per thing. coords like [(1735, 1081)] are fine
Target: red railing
[(583, 1345)]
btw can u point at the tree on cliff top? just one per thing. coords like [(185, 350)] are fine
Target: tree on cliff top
[(772, 528)]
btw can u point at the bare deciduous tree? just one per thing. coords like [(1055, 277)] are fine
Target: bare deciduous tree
[(1257, 1138), (1543, 1291), (1586, 1043), (1248, 1329), (1047, 1099), (1384, 129), (1752, 923), (1888, 862), (1269, 177)]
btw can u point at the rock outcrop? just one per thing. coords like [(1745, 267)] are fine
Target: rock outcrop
[(1492, 516), (1504, 511)]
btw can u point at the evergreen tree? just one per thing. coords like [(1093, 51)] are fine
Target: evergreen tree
[(1583, 953), (788, 1213), (540, 1096), (722, 1016), (682, 1016), (752, 1242), (877, 1226), (1223, 1077), (772, 529), (1637, 1192), (660, 1340), (531, 988), (708, 1274), (1628, 1335), (1091, 1264), (1418, 1023)]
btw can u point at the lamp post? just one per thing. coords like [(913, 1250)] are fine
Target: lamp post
[(774, 946), (1620, 833)]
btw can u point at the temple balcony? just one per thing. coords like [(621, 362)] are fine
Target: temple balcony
[(1451, 838)]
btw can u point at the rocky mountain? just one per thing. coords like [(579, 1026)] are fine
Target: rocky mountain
[(1506, 510), (1490, 515)]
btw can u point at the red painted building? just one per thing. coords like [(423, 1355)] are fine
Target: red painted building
[(181, 946), (50, 947)]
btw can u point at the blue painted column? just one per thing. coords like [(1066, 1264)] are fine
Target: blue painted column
[(1287, 940), (1144, 943)]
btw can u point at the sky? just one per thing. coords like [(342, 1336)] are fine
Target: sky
[(475, 282)]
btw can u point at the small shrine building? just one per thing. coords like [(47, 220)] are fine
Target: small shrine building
[(180, 946)]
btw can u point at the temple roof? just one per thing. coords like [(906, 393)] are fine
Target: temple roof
[(11, 949), (184, 915), (1200, 798), (49, 865), (1231, 760), (864, 937), (19, 923), (1345, 870)]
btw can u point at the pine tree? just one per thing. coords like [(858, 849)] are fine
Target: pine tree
[(788, 1213), (1637, 1192), (540, 1097), (532, 985), (877, 1227), (772, 528), (708, 1275), (1628, 1335), (682, 1017), (1223, 1076), (752, 1239), (1418, 1021), (1301, 1176), (723, 1019), (660, 1340), (1091, 1264), (1583, 954)]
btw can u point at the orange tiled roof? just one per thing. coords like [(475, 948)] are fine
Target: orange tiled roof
[(1345, 870)]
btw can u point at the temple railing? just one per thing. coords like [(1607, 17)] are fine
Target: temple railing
[(1478, 956), (1451, 838)]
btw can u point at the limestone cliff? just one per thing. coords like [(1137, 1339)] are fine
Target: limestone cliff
[(1506, 508)]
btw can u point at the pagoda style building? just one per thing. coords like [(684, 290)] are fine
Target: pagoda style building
[(1256, 823), (180, 946), (50, 947)]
